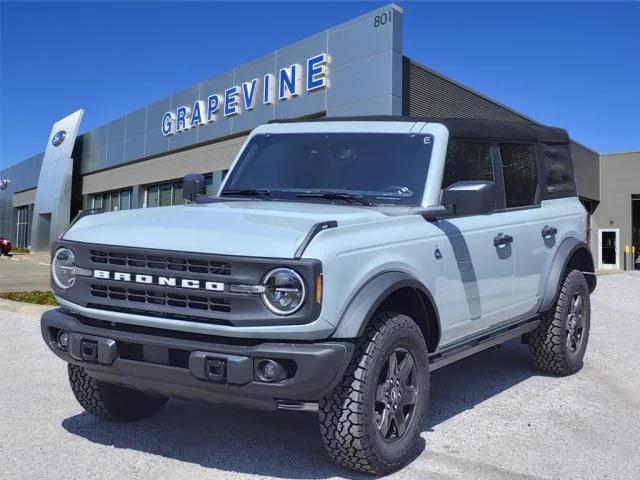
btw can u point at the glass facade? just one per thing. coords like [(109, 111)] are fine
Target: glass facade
[(167, 194), (635, 229), (23, 225), (164, 194), (110, 201), (214, 181)]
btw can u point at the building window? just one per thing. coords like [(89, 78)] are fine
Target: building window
[(110, 201), (467, 161), (520, 178), (23, 225), (214, 181), (635, 229), (164, 194), (170, 193)]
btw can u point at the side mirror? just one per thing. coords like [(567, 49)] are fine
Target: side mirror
[(470, 197), (193, 184)]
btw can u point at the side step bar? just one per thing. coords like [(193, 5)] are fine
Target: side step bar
[(298, 406), (444, 358)]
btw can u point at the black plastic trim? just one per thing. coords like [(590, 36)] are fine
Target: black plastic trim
[(559, 265), (366, 301), (473, 346), (313, 231), (244, 309), (318, 366), (476, 128)]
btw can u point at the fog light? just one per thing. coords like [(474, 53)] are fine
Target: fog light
[(63, 340), (270, 371)]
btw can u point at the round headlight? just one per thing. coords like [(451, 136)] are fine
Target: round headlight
[(63, 268), (284, 291)]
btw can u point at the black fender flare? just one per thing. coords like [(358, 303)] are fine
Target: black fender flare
[(366, 301), (567, 249)]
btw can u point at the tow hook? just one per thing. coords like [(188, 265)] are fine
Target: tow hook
[(89, 350)]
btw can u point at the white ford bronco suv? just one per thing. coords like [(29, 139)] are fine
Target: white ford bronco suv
[(341, 262)]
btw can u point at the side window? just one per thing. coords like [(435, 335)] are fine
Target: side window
[(558, 171), (467, 160), (520, 177)]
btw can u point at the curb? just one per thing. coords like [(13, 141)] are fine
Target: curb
[(24, 308)]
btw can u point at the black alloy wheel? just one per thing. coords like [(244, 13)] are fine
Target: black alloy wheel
[(575, 324), (396, 395), (372, 420)]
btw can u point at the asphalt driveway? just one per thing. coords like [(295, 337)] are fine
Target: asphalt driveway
[(491, 417), (24, 272)]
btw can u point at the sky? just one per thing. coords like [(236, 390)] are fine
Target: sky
[(574, 65)]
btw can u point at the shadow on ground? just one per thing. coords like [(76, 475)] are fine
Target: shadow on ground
[(287, 444)]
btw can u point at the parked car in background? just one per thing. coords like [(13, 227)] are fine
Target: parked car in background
[(5, 246)]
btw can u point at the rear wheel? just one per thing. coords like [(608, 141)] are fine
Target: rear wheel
[(558, 345), (112, 402), (371, 421)]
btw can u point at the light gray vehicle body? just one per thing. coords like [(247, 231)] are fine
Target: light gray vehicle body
[(340, 263), (475, 286), (468, 280)]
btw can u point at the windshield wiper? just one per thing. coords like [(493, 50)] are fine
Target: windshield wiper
[(248, 192), (329, 195)]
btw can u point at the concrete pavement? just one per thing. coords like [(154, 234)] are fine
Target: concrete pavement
[(25, 272), (491, 417)]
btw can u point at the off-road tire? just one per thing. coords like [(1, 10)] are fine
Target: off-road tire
[(547, 343), (347, 419), (112, 402)]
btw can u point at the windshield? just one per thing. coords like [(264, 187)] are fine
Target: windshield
[(365, 168)]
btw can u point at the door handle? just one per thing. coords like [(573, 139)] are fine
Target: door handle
[(548, 231), (502, 239)]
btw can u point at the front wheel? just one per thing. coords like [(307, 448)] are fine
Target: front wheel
[(371, 422), (558, 345)]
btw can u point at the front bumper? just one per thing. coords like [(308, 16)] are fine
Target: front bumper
[(195, 368), (316, 330)]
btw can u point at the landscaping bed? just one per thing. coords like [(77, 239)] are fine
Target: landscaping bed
[(36, 297)]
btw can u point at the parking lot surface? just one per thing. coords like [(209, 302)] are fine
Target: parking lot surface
[(491, 417), (24, 272)]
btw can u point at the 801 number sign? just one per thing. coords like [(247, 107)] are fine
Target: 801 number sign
[(382, 19)]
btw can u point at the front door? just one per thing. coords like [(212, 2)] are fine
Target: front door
[(608, 257), (479, 262)]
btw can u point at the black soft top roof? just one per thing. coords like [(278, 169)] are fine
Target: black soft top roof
[(466, 127)]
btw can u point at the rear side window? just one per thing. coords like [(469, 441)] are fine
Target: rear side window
[(519, 171), (467, 161), (558, 171)]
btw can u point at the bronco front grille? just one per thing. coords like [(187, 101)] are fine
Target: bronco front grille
[(155, 297), (161, 262), (188, 286)]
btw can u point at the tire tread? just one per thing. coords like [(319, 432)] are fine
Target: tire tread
[(546, 343), (342, 413), (85, 389), (112, 402)]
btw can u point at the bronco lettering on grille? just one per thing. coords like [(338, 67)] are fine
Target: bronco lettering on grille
[(160, 281)]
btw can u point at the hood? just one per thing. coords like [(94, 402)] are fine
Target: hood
[(247, 228)]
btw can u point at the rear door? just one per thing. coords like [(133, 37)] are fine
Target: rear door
[(478, 253), (540, 198), (534, 233)]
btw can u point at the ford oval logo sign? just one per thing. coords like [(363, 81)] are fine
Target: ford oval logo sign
[(4, 183), (58, 138)]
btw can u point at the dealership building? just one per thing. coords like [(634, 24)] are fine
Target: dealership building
[(353, 69)]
